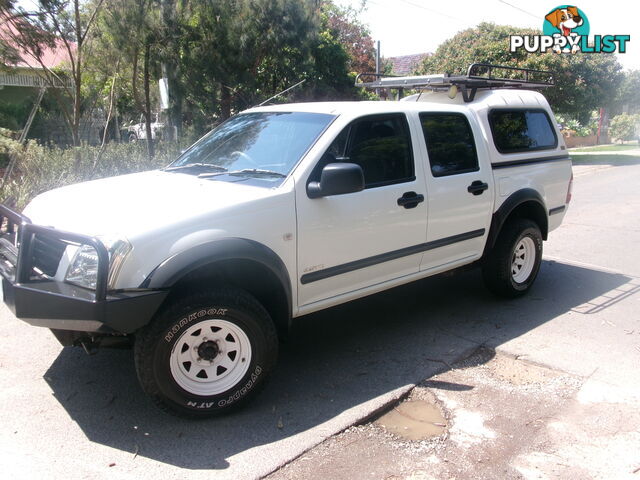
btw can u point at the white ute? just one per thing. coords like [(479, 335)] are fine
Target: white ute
[(285, 210)]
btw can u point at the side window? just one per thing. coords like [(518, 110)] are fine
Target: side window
[(522, 130), (450, 143), (380, 144)]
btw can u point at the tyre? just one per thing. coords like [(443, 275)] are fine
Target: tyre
[(133, 138), (513, 264), (207, 353)]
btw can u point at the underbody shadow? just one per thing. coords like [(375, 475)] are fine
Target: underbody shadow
[(335, 360)]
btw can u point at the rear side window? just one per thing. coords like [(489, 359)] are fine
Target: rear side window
[(522, 130), (450, 143)]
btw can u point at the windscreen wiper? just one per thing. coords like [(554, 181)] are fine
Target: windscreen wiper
[(257, 171), (199, 166), (246, 171)]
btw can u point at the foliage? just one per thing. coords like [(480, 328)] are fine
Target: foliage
[(8, 146), (629, 92), (12, 115), (62, 26), (576, 128), (625, 127), (353, 35), (584, 82), (40, 168), (237, 52)]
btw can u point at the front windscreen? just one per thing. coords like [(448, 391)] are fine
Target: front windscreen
[(264, 146)]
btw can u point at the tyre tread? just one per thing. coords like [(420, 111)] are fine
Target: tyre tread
[(144, 345)]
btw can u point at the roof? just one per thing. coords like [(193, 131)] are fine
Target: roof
[(51, 57), (438, 101), (406, 64)]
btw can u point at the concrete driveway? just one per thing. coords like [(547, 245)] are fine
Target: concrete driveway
[(65, 414)]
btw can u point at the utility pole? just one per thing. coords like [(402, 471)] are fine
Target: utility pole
[(168, 73), (378, 57)]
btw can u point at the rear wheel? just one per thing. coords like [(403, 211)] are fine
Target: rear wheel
[(207, 353), (513, 264)]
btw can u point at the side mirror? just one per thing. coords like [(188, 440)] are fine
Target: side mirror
[(337, 179)]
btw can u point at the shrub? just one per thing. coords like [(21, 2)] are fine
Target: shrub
[(8, 146), (575, 128), (40, 168), (624, 127)]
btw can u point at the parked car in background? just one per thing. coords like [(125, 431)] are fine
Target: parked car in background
[(138, 131)]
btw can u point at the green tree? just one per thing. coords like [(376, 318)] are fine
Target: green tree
[(625, 127), (129, 33), (353, 35), (629, 93), (237, 51), (584, 82), (61, 25)]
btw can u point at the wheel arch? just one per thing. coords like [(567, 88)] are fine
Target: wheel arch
[(525, 203), (237, 262)]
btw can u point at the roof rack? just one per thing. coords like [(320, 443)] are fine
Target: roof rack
[(479, 76)]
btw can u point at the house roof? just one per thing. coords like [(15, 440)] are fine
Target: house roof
[(406, 64), (51, 56)]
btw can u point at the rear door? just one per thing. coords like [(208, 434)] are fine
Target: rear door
[(460, 188)]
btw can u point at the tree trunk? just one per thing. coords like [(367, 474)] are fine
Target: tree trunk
[(225, 102), (147, 102)]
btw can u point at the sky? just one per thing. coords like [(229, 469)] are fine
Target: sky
[(405, 27)]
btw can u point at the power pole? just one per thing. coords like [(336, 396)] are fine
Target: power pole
[(168, 73)]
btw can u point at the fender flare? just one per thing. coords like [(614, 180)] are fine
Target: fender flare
[(174, 268), (508, 206)]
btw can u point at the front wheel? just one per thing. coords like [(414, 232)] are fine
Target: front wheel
[(513, 264), (206, 353)]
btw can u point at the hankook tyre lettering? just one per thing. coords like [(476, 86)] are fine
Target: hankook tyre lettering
[(206, 352)]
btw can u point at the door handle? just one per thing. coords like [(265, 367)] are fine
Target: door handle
[(410, 200), (477, 187)]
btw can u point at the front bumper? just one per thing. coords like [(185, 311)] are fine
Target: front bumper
[(41, 301)]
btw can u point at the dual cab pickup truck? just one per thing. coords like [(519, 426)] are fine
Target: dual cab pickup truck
[(279, 212)]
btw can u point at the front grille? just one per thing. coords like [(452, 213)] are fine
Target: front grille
[(47, 253)]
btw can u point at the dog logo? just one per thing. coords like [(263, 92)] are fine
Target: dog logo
[(565, 29), (566, 21)]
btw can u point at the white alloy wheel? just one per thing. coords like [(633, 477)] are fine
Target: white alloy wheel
[(210, 357), (523, 260)]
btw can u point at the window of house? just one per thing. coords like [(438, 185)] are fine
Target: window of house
[(450, 143), (522, 130)]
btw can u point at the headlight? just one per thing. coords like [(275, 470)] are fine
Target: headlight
[(83, 270)]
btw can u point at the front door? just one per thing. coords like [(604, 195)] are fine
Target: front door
[(354, 241)]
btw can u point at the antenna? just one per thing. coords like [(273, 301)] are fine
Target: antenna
[(281, 93)]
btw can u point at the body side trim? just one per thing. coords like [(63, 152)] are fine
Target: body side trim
[(529, 161), (553, 211), (385, 257)]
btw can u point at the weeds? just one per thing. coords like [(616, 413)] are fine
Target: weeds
[(40, 168)]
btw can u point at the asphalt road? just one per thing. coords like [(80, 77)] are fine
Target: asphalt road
[(65, 414)]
